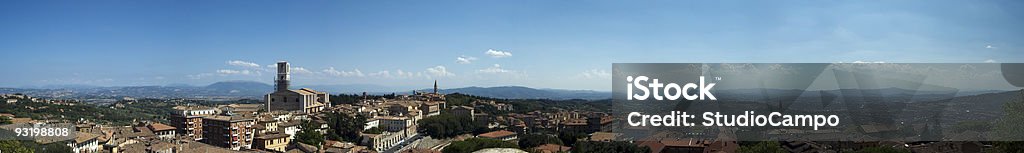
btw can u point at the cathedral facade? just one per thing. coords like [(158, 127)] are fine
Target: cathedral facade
[(303, 100)]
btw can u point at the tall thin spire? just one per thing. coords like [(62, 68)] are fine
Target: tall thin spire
[(435, 86)]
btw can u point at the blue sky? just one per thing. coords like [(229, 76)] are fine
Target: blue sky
[(549, 44)]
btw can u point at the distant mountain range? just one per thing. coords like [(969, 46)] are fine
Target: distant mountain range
[(504, 92), (252, 89), (236, 89), (358, 88), (519, 92), (249, 87)]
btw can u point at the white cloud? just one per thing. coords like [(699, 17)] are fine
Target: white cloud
[(385, 74), (231, 72), (498, 73), (243, 64), (404, 74), (496, 69), (990, 47), (198, 76), (990, 61), (335, 72), (465, 59), (595, 73), (866, 62), (439, 71), (400, 74), (301, 70), (498, 53)]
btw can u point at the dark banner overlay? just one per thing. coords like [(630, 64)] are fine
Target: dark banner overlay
[(39, 132), (819, 101)]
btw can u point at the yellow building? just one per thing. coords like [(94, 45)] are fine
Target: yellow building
[(272, 141)]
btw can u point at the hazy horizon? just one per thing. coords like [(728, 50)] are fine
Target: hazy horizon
[(539, 44)]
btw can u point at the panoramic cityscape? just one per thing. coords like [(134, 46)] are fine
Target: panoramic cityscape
[(306, 120), (195, 76), (298, 119)]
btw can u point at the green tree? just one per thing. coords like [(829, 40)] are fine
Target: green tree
[(353, 98), (608, 147), (762, 147), (447, 125), (374, 130), (13, 146), (570, 138), (1010, 127), (49, 147), (459, 99), (5, 120), (308, 134), (1009, 146), (474, 144), (977, 126), (345, 127)]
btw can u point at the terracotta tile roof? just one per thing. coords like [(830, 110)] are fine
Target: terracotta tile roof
[(552, 148), (654, 145), (160, 146), (160, 127), (259, 127), (21, 120), (606, 120), (193, 146), (272, 136), (313, 91), (82, 137), (143, 132), (134, 147), (229, 118), (307, 91), (604, 136), (683, 143), (336, 144), (497, 134)]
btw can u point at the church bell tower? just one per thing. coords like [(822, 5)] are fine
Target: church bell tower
[(282, 81)]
